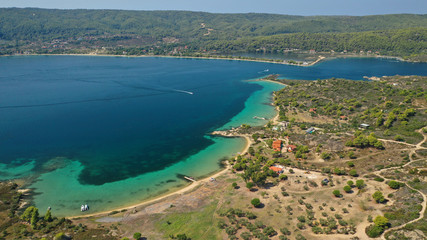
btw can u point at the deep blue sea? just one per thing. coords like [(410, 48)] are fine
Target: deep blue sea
[(90, 128)]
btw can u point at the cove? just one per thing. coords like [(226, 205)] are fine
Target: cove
[(111, 131)]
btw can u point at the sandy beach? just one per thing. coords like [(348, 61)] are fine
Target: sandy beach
[(321, 58), (284, 62)]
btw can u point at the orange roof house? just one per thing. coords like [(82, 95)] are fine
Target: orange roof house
[(277, 145), (343, 117), (277, 169), (313, 110), (291, 148)]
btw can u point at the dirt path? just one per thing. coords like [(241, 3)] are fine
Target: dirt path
[(422, 212), (411, 160)]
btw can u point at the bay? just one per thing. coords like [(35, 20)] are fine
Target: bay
[(112, 131)]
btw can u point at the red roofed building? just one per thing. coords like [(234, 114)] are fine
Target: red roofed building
[(277, 145), (277, 169), (313, 110), (291, 148)]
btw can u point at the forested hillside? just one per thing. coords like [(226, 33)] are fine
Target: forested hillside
[(33, 24), (400, 42), (32, 30)]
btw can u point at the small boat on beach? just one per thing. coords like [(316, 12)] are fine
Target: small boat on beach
[(262, 118), (191, 179), (188, 178), (84, 208)]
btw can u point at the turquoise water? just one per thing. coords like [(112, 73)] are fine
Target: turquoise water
[(111, 131), (260, 102)]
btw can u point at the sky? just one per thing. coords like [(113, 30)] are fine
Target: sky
[(292, 7)]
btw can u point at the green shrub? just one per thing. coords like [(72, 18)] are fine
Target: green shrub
[(398, 138), (61, 236), (336, 193), (246, 235), (137, 236), (378, 197), (381, 221), (182, 237), (374, 231), (231, 230), (353, 173), (342, 222), (48, 216), (360, 183), (379, 179), (222, 224), (285, 231), (347, 189), (325, 155), (394, 184), (269, 231), (317, 230), (250, 215), (256, 202)]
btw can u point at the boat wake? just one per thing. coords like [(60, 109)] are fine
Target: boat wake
[(158, 90), (183, 91), (153, 88)]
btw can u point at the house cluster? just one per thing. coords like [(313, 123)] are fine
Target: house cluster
[(277, 146)]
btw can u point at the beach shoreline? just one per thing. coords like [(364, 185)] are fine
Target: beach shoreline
[(175, 190), (283, 62), (186, 189), (180, 191)]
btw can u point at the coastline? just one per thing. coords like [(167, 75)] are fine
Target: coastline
[(180, 191), (283, 62), (193, 185), (272, 81), (185, 189)]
